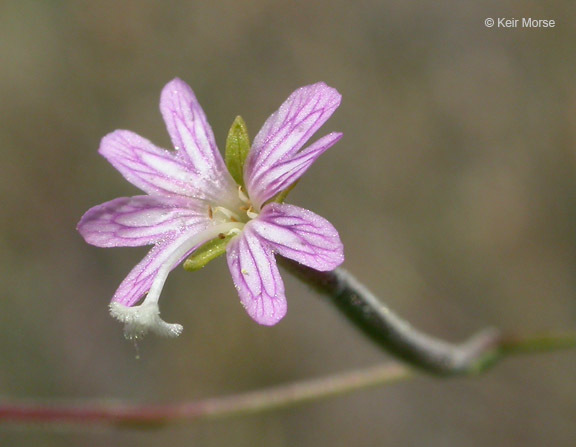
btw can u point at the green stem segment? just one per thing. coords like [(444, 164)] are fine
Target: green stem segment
[(397, 336)]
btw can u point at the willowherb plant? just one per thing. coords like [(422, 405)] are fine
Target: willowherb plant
[(200, 205)]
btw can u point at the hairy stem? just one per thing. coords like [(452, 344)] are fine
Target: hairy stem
[(393, 334)]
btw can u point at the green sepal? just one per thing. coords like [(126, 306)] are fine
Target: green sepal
[(281, 196), (207, 252), (237, 148)]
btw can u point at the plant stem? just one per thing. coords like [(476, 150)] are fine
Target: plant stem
[(393, 334), (135, 415), (127, 415), (357, 303)]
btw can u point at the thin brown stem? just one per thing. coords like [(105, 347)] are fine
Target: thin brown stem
[(219, 407), (148, 415)]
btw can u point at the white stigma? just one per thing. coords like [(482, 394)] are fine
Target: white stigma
[(143, 318), (139, 320)]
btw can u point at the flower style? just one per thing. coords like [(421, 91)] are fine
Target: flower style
[(193, 199)]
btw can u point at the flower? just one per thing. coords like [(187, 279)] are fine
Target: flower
[(192, 199)]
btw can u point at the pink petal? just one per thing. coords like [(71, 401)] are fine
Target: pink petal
[(140, 279), (286, 172), (256, 277), (140, 220), (301, 235), (286, 131), (191, 134), (155, 171)]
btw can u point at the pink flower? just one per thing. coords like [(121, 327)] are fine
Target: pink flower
[(191, 198)]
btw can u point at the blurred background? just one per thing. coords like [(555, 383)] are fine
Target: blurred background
[(453, 189)]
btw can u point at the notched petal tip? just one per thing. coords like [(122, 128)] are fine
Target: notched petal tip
[(176, 85), (139, 320), (272, 318)]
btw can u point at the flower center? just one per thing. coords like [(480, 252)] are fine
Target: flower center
[(243, 213)]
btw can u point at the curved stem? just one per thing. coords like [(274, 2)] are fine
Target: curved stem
[(390, 332), (378, 322)]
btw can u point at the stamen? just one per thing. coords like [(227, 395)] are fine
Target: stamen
[(234, 231), (224, 214), (251, 213), (247, 208), (242, 195)]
